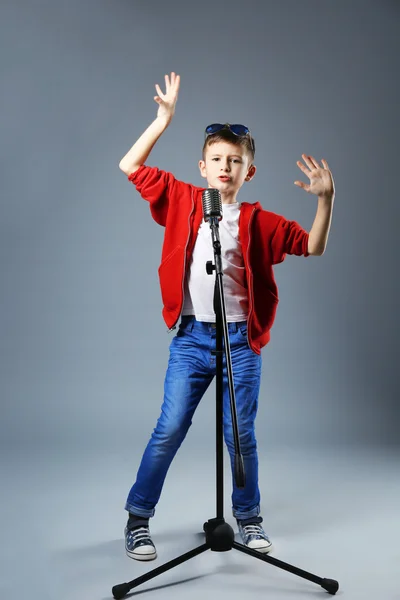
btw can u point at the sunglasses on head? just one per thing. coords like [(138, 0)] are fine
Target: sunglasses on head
[(236, 128)]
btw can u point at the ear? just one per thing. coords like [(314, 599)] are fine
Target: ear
[(250, 173), (202, 167)]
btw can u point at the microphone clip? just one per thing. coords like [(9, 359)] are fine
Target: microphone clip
[(210, 267)]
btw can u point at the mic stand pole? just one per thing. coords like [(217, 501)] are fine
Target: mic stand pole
[(219, 534)]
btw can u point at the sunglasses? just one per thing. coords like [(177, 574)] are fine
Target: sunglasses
[(239, 130)]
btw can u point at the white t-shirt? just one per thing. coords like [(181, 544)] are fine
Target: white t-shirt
[(199, 286)]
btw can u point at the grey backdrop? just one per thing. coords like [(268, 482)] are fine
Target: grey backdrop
[(83, 345)]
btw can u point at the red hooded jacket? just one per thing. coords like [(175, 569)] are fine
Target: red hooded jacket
[(265, 238)]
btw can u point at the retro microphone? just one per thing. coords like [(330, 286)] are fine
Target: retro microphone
[(212, 204)]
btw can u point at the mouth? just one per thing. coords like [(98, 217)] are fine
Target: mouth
[(223, 178)]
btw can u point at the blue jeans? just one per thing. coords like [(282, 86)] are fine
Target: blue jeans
[(191, 368)]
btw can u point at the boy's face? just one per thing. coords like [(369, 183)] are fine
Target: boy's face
[(226, 159)]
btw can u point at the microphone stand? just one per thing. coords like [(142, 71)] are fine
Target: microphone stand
[(219, 535)]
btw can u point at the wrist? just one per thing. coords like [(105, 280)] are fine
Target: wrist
[(327, 198), (165, 121)]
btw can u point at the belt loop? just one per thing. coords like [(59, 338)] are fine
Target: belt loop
[(190, 322)]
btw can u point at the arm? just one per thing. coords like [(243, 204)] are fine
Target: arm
[(141, 149), (319, 232), (322, 185), (139, 152)]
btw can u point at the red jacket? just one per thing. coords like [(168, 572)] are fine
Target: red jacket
[(265, 238)]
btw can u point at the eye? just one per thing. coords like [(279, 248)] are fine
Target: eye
[(233, 159)]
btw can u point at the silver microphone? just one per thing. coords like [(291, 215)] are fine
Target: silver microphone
[(212, 204)]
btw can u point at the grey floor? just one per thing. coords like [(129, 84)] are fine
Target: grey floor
[(333, 513)]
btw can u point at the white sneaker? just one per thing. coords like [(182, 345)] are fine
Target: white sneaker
[(254, 537), (138, 544)]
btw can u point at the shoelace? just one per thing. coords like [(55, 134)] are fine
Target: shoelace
[(253, 530), (141, 533)]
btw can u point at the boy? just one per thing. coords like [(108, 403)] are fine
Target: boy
[(252, 241)]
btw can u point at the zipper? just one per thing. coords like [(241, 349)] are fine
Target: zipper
[(184, 268), (250, 282)]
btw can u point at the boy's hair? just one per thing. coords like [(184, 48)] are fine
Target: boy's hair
[(224, 135)]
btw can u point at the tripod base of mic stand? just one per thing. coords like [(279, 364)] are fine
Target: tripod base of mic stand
[(220, 537)]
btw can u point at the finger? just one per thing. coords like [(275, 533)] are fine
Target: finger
[(315, 162), (303, 168), (302, 185), (177, 82), (174, 80), (159, 92), (326, 166), (167, 83), (308, 161)]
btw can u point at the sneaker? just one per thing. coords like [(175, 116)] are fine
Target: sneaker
[(138, 544), (254, 537)]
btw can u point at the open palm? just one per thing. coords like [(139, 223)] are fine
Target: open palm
[(168, 100), (321, 180)]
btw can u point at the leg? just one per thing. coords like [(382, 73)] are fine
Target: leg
[(186, 381)]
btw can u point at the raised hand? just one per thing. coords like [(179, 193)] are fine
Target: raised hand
[(168, 100), (321, 180)]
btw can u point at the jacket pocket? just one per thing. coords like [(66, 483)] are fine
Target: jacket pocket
[(265, 304), (170, 274)]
